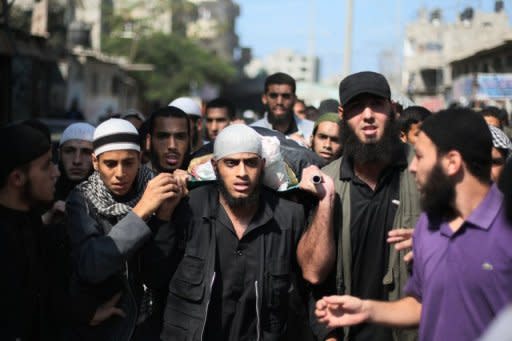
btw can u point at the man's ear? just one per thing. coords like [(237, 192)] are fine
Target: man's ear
[(403, 137), (452, 162), (148, 142), (95, 161), (264, 99), (18, 178), (340, 112)]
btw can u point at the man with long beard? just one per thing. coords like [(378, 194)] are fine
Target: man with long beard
[(374, 194), (461, 272), (234, 279)]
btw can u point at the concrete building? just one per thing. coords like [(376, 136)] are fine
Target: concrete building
[(214, 27), (432, 48), (210, 22), (93, 13), (98, 84), (300, 67), (142, 16)]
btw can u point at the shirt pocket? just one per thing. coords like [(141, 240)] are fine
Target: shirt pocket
[(278, 284), (188, 280)]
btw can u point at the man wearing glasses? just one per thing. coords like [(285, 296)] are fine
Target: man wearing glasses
[(278, 99)]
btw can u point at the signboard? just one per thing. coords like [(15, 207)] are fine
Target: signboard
[(483, 86)]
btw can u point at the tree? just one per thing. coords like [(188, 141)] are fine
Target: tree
[(179, 63)]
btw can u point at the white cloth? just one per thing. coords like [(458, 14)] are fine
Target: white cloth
[(304, 127)]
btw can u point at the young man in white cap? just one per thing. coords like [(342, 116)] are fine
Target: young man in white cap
[(193, 110), (234, 279), (75, 157), (116, 219)]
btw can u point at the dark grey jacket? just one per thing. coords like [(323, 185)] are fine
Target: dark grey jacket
[(110, 255), (190, 288)]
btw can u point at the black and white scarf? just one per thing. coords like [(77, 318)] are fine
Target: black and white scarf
[(98, 194)]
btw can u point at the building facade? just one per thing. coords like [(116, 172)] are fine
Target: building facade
[(301, 67), (432, 48)]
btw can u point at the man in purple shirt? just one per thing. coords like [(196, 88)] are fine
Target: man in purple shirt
[(462, 269)]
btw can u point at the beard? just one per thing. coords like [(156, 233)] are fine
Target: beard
[(27, 195), (438, 195), (381, 151), (273, 120), (234, 203)]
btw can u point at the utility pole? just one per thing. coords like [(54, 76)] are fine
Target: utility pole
[(347, 53)]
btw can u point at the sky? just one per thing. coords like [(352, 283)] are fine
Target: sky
[(268, 25)]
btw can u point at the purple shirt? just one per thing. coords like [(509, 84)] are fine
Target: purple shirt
[(462, 279)]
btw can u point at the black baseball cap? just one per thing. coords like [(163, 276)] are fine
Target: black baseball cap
[(365, 82)]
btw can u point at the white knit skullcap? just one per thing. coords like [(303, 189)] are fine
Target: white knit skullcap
[(77, 131), (115, 134), (188, 105), (236, 138)]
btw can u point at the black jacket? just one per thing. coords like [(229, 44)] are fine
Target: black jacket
[(282, 223), (110, 255), (27, 309)]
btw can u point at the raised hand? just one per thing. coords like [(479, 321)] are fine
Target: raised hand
[(319, 188), (58, 209), (341, 311), (159, 189), (402, 238)]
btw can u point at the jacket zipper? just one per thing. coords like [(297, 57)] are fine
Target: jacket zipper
[(257, 312), (207, 304), (131, 296)]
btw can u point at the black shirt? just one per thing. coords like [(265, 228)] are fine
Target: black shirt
[(371, 217), (233, 300), (24, 287)]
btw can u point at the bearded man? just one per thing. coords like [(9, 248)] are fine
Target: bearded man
[(461, 242), (234, 280), (374, 194), (27, 185)]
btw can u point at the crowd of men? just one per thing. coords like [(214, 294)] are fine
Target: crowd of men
[(398, 226)]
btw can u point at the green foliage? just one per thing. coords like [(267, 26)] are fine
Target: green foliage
[(178, 63)]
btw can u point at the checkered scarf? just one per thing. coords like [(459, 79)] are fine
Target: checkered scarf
[(97, 193), (500, 140)]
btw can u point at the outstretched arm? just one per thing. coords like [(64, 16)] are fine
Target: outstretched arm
[(316, 250), (343, 311)]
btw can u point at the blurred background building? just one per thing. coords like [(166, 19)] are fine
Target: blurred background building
[(463, 61)]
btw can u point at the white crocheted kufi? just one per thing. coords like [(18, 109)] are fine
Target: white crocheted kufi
[(77, 131), (188, 105), (115, 134), (236, 138)]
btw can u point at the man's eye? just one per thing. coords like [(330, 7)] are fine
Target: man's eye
[(251, 163), (230, 163)]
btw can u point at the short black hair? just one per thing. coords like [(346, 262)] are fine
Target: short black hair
[(42, 127), (495, 112), (221, 102), (169, 111), (280, 78), (412, 115)]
